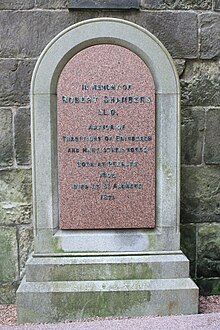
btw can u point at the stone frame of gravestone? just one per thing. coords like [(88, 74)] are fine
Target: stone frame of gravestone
[(49, 239), (79, 274)]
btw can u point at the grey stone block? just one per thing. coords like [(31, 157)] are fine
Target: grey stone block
[(8, 293), (51, 4), (200, 194), (6, 137), (216, 5), (212, 140), (106, 268), (208, 250), (173, 4), (167, 26), (8, 255), (16, 4), (210, 36), (200, 84), (25, 234), (15, 80), (71, 300), (38, 28), (12, 212), (153, 4), (188, 245), (170, 27), (103, 4), (180, 66), (22, 136), (192, 127), (15, 196)]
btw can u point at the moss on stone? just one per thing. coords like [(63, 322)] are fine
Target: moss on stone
[(7, 293), (8, 255), (188, 245), (25, 234), (97, 271), (209, 250), (200, 194), (99, 304)]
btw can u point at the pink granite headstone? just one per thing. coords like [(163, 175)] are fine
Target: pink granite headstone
[(106, 140)]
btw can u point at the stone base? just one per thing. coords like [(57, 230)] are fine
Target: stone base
[(60, 289)]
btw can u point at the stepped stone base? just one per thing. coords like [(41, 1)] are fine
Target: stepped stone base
[(70, 288)]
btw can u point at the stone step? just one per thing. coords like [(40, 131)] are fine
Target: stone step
[(59, 301), (164, 266)]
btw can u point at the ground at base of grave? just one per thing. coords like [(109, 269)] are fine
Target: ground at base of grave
[(207, 304)]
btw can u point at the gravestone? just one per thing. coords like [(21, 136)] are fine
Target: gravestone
[(105, 132), (106, 140)]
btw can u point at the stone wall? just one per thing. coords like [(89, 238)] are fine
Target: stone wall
[(190, 30)]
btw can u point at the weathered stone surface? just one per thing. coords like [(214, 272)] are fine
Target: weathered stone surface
[(100, 4), (180, 66), (200, 84), (212, 140), (22, 136), (210, 35), (209, 250), (15, 81), (8, 255), (6, 137), (105, 268), (8, 293), (25, 244), (188, 245), (51, 4), (200, 194), (15, 213), (16, 4), (173, 4), (153, 4), (189, 4), (15, 196), (216, 5), (39, 27), (192, 125), (60, 301), (170, 27)]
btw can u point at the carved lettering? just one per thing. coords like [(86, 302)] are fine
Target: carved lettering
[(106, 140)]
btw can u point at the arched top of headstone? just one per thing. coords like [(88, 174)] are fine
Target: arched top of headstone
[(88, 38), (104, 31)]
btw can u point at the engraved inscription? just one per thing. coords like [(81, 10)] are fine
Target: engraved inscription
[(106, 141)]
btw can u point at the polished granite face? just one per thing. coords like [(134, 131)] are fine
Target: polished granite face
[(106, 140)]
